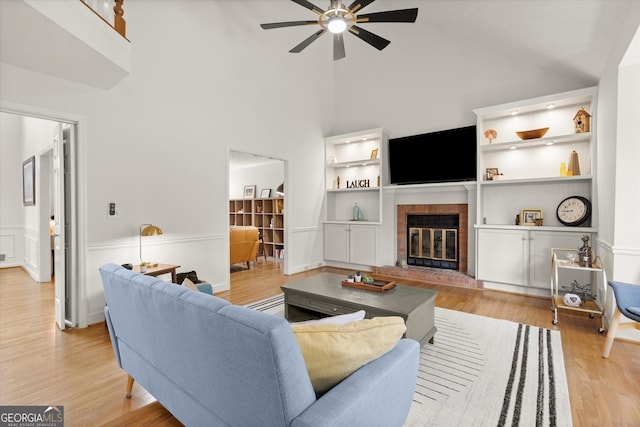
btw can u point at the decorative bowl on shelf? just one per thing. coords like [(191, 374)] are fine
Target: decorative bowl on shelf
[(532, 134)]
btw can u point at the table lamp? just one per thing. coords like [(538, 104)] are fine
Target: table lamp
[(148, 230)]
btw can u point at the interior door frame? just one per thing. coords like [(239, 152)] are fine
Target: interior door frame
[(285, 166), (77, 262)]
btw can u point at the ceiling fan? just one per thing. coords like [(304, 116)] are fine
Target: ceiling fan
[(338, 19)]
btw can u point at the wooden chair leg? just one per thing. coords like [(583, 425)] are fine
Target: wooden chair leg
[(613, 328), (130, 381)]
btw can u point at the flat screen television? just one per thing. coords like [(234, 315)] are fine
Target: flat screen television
[(436, 157)]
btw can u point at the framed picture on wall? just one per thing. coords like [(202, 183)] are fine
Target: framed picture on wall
[(265, 193), (29, 181), (249, 191)]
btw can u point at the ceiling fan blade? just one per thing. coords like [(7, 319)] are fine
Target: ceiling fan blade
[(373, 39), (306, 42), (401, 15), (309, 5), (338, 47), (359, 5), (286, 24)]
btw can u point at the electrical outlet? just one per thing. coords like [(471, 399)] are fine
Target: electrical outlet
[(1, 257), (112, 211)]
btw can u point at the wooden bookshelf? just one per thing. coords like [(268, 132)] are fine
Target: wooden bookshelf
[(265, 214)]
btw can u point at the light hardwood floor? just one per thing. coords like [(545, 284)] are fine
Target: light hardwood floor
[(41, 365)]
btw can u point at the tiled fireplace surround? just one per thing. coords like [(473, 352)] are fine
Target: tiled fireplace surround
[(427, 274)]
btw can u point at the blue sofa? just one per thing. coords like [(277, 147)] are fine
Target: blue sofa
[(211, 363)]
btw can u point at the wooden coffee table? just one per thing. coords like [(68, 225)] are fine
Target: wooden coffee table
[(323, 295)]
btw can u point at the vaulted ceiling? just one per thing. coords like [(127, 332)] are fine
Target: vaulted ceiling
[(565, 36)]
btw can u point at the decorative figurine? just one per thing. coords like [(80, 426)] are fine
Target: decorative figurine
[(585, 253), (490, 134), (574, 164), (582, 121)]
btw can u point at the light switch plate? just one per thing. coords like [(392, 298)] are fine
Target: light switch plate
[(112, 211)]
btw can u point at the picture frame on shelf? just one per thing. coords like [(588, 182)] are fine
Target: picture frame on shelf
[(249, 191), (374, 153), (29, 181), (265, 193), (529, 216), (491, 173)]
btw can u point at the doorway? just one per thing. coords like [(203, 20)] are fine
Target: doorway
[(256, 197), (47, 252)]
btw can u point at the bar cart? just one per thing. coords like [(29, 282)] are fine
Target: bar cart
[(566, 259)]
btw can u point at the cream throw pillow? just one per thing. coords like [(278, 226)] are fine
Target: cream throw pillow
[(340, 319), (333, 352), (189, 284)]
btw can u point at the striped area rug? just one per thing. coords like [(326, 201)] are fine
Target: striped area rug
[(484, 372)]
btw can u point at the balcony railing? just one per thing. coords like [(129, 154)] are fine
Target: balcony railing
[(111, 12)]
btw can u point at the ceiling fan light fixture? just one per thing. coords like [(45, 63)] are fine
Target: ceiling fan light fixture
[(339, 19), (337, 25)]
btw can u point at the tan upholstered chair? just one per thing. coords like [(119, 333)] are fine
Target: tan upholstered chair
[(243, 244)]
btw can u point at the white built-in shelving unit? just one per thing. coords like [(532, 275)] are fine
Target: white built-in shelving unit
[(354, 175), (518, 255)]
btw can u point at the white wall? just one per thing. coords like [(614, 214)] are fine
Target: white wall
[(11, 208), (263, 176), (627, 173), (618, 174), (618, 156), (20, 138), (407, 92), (156, 143)]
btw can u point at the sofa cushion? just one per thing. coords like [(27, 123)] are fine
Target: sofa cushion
[(332, 352)]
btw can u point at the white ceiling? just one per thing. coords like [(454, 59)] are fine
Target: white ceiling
[(571, 37), (565, 36)]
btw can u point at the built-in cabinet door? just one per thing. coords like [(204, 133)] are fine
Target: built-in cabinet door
[(502, 256), (363, 244), (336, 242)]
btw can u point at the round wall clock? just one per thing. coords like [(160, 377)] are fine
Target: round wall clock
[(574, 210)]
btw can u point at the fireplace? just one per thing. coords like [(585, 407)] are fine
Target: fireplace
[(432, 240), (432, 274), (433, 236)]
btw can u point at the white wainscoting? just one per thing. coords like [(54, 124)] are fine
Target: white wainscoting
[(207, 255), (308, 254), (11, 246), (31, 258)]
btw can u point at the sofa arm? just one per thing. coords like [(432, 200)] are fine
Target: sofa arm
[(205, 287), (379, 393)]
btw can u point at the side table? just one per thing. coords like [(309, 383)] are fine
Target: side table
[(159, 270)]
